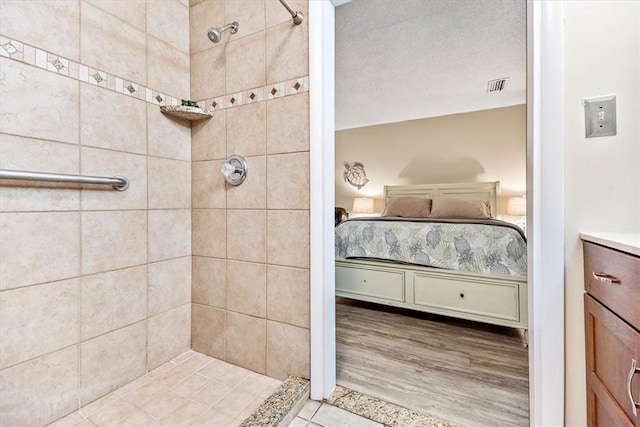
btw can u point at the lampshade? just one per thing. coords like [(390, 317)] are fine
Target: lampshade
[(362, 205), (517, 206)]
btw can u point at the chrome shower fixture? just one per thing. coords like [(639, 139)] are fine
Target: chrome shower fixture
[(215, 33), (298, 17)]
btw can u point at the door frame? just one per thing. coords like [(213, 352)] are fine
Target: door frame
[(545, 210)]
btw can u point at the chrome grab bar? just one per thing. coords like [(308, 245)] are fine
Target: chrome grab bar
[(119, 183)]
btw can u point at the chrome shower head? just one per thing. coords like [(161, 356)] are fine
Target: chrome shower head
[(215, 34)]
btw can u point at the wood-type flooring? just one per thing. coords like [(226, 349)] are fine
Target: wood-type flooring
[(468, 373)]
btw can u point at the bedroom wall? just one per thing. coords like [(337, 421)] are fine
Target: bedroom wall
[(251, 242), (94, 283), (602, 177), (487, 145)]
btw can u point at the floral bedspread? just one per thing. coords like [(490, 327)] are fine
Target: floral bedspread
[(480, 246)]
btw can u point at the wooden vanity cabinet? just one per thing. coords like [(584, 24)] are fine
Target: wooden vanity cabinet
[(612, 327)]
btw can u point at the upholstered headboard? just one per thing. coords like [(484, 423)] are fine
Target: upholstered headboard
[(478, 191)]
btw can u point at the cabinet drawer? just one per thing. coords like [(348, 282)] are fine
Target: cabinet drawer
[(612, 345), (500, 301), (382, 284), (613, 278)]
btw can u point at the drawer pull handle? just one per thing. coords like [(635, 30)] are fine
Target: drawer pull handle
[(461, 295), (605, 278), (632, 372)]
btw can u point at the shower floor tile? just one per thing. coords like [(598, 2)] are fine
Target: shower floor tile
[(191, 390)]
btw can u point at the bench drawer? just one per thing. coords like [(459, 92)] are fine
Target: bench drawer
[(375, 283), (496, 300)]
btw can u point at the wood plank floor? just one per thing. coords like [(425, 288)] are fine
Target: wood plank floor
[(464, 372)]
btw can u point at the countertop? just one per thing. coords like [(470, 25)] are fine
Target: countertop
[(626, 242)]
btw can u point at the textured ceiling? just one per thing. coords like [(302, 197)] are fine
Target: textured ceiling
[(400, 60)]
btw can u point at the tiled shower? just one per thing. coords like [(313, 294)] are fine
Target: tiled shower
[(97, 286)]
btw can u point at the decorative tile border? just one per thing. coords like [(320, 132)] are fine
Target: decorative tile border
[(31, 55)]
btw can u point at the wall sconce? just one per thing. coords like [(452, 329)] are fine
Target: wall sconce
[(362, 205), (517, 206), (234, 170)]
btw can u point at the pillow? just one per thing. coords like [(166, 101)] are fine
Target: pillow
[(408, 207), (458, 208)]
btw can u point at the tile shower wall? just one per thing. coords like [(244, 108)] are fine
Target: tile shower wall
[(250, 243), (95, 285)]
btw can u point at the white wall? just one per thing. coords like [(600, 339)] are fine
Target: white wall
[(602, 53), (487, 145)]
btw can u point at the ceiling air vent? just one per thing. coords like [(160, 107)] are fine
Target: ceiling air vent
[(497, 85)]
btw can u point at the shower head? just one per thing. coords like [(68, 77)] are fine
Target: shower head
[(215, 34)]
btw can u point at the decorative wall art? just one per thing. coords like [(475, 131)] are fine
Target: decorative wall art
[(355, 175)]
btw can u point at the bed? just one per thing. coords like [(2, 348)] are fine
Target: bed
[(467, 269)]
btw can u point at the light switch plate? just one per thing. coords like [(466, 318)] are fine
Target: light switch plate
[(600, 116)]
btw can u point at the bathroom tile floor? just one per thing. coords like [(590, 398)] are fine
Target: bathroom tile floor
[(191, 390), (314, 414)]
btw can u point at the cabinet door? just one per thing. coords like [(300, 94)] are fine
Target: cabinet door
[(612, 344)]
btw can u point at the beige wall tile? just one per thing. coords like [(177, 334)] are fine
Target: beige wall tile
[(132, 11), (209, 138), (246, 235), (41, 390), (287, 350), (287, 48), (247, 288), (169, 335), (288, 295), (276, 14), (246, 341), (169, 183), (195, 2), (38, 320), (112, 360), (202, 16), (19, 153), (208, 187), (113, 300), (288, 238), (208, 73), (245, 63), (27, 239), (100, 162), (209, 232), (169, 21), (209, 281), (168, 137), (208, 330), (53, 117), (252, 193), (288, 124), (122, 126), (111, 45), (288, 181), (167, 67), (249, 13), (113, 240), (169, 284), (169, 234), (246, 129), (33, 22)]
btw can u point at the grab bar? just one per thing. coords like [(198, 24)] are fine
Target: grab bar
[(119, 183)]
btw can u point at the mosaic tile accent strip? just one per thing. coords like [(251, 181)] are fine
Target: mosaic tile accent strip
[(258, 94), (380, 411), (31, 55)]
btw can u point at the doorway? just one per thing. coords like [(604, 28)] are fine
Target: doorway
[(544, 184)]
